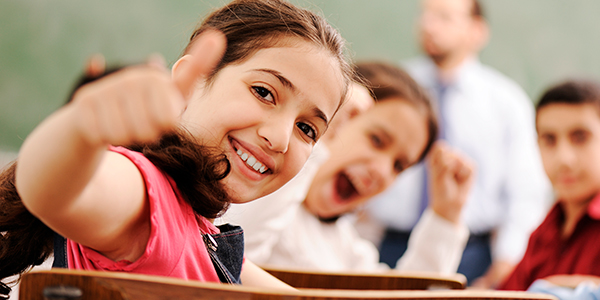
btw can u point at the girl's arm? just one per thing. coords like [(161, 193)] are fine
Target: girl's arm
[(68, 180), (66, 177), (253, 275)]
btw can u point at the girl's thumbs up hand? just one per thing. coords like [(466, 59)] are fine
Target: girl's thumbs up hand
[(140, 103), (204, 55)]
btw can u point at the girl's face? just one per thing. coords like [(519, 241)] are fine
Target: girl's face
[(266, 113), (370, 151), (569, 141)]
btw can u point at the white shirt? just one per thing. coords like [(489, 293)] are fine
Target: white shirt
[(490, 119), (436, 245), (279, 231), (264, 219)]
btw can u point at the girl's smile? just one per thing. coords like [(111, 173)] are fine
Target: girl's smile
[(254, 158), (266, 113)]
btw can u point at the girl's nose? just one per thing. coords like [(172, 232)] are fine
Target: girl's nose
[(383, 171), (277, 133)]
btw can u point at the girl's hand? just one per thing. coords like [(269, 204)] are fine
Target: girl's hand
[(140, 103), (451, 176), (64, 169)]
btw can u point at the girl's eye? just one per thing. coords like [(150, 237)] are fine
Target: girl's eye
[(376, 141), (308, 130), (263, 93)]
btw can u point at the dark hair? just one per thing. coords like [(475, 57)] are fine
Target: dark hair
[(24, 239), (249, 25), (195, 168), (387, 82), (579, 91)]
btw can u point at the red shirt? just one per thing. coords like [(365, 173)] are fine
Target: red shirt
[(550, 254), (175, 247)]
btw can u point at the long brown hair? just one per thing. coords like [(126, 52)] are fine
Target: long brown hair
[(249, 25)]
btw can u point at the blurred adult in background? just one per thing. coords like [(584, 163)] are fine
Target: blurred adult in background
[(488, 117)]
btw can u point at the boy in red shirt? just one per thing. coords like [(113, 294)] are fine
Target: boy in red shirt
[(568, 126)]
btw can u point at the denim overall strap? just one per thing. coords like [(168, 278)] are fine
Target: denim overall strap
[(226, 250), (60, 252)]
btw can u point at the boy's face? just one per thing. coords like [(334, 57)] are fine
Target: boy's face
[(569, 141), (366, 156)]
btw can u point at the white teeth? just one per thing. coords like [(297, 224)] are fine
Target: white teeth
[(252, 161)]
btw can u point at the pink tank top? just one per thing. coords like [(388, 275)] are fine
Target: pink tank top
[(175, 247)]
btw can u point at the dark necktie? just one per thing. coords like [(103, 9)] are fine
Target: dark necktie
[(440, 94)]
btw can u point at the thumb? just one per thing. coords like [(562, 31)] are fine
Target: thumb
[(205, 54)]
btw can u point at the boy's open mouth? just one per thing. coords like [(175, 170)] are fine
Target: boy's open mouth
[(345, 188)]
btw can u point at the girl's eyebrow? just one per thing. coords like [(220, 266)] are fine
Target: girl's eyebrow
[(321, 115), (288, 84)]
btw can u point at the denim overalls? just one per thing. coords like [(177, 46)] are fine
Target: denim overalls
[(226, 251)]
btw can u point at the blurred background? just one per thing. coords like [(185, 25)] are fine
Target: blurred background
[(44, 44)]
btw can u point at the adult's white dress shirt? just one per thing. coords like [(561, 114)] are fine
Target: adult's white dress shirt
[(489, 118)]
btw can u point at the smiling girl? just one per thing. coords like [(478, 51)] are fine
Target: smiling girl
[(235, 120)]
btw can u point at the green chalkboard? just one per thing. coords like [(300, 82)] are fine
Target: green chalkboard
[(43, 44)]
